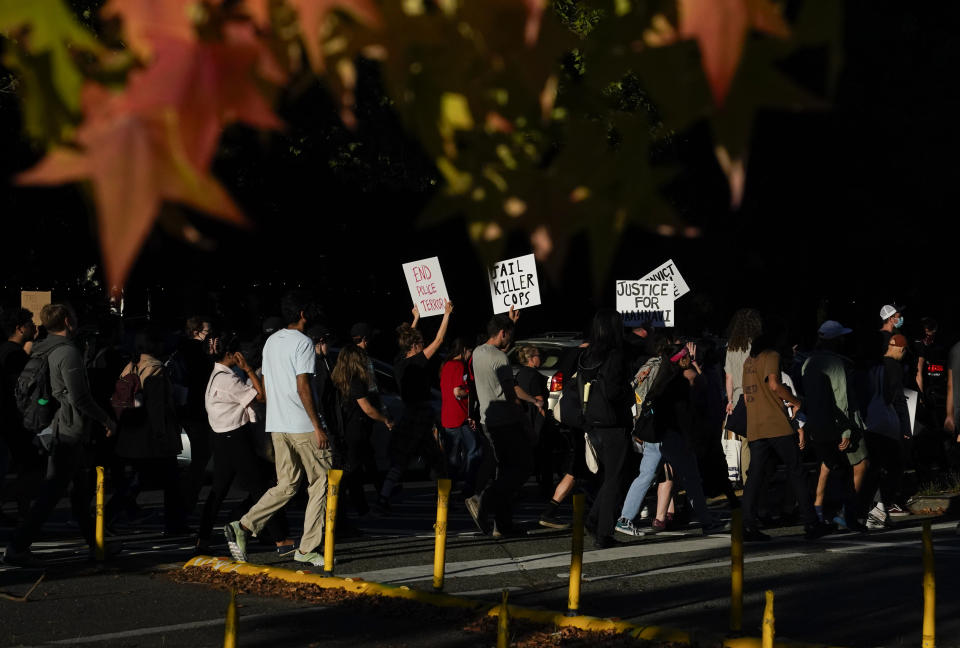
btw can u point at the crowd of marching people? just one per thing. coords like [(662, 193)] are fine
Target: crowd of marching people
[(820, 428)]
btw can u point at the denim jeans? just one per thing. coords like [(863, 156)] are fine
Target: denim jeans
[(673, 451), (641, 483), (463, 452)]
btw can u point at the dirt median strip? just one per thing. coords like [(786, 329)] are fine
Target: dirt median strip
[(542, 627)]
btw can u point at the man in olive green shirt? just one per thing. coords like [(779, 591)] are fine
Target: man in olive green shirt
[(833, 419)]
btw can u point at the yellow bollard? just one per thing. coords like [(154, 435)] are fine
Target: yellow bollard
[(736, 570), (333, 494), (101, 552), (230, 627), (769, 632), (440, 547), (576, 557), (503, 623), (929, 590)]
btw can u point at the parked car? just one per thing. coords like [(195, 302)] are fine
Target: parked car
[(558, 359)]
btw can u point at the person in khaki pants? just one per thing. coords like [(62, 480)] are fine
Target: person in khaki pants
[(300, 442)]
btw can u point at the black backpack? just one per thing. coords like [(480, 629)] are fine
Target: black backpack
[(34, 394)]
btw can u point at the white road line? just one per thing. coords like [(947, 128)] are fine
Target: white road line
[(193, 625), (494, 566)]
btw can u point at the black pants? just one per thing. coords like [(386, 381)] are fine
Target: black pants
[(886, 466), (234, 456), (358, 464), (613, 450), (413, 434), (152, 472), (67, 465), (508, 456), (761, 452), (201, 447)]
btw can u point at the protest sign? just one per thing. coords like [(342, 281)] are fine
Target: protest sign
[(427, 290), (514, 282), (646, 302), (668, 271), (34, 301)]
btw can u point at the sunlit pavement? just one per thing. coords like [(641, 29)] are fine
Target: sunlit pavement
[(857, 590)]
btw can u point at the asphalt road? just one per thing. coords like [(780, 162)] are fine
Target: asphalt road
[(854, 590)]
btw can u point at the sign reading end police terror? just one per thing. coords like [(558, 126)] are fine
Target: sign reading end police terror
[(514, 282), (427, 289), (646, 302)]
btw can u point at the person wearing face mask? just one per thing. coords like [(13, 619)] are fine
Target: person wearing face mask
[(76, 420)]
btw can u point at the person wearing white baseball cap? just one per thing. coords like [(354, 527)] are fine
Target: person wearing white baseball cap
[(834, 422), (892, 319)]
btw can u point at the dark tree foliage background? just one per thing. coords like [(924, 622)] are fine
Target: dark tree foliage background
[(845, 209)]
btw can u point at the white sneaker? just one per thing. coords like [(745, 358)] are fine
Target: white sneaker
[(895, 510), (644, 512), (311, 558), (626, 527)]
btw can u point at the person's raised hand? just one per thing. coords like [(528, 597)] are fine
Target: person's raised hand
[(513, 314), (448, 307), (241, 361)]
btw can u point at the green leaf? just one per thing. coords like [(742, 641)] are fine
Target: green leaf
[(48, 27)]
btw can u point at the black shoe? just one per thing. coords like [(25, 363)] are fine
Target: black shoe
[(553, 522), (755, 535), (507, 532), (604, 542), (23, 558), (856, 526), (816, 530), (382, 506)]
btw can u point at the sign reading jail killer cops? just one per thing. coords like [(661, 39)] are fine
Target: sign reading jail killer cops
[(34, 301), (646, 302), (668, 272), (514, 282), (427, 290)]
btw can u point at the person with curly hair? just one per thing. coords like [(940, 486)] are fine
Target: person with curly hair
[(745, 326)]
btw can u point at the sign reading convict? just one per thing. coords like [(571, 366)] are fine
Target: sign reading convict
[(646, 302), (514, 282), (427, 289), (667, 271)]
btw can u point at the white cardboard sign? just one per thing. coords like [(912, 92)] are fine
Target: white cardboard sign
[(668, 271), (427, 289), (514, 282), (649, 302)]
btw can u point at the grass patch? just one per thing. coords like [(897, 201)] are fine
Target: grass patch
[(949, 484)]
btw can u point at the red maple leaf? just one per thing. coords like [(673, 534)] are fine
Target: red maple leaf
[(146, 20), (720, 28), (135, 162), (209, 83)]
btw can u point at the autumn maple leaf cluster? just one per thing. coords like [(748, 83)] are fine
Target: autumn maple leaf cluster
[(201, 66)]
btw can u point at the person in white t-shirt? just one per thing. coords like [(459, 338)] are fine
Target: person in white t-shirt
[(300, 441), (228, 400)]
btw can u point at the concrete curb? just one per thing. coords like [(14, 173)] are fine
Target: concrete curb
[(547, 617)]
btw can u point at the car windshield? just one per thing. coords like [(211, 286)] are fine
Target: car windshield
[(549, 356)]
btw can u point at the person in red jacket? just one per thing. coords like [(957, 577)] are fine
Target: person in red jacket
[(460, 443)]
